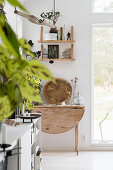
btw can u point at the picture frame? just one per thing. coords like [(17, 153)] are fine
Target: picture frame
[(53, 51)]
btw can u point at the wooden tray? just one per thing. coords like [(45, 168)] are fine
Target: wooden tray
[(57, 93)]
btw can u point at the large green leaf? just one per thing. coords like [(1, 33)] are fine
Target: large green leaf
[(16, 3), (26, 48), (4, 51), (23, 43), (14, 94), (5, 108), (3, 89), (9, 37), (1, 1), (13, 69), (37, 69), (30, 93)]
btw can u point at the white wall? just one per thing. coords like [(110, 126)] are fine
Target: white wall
[(14, 21), (76, 13), (11, 17)]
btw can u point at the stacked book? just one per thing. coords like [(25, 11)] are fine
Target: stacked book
[(62, 33)]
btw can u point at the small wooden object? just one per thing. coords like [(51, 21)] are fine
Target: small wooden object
[(41, 34), (56, 93), (41, 51), (71, 33), (11, 122)]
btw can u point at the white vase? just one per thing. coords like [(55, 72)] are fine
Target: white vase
[(78, 100)]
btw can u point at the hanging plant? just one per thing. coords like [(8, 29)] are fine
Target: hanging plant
[(52, 16)]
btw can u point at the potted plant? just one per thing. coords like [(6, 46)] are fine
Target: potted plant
[(14, 84), (51, 16)]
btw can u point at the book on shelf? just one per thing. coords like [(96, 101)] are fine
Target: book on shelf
[(62, 33)]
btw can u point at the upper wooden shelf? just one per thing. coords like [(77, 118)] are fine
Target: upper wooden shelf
[(57, 41)]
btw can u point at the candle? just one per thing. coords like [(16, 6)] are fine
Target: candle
[(4, 134)]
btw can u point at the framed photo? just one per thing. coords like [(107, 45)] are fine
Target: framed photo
[(53, 51)]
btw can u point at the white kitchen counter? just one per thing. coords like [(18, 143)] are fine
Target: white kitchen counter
[(14, 133), (27, 137)]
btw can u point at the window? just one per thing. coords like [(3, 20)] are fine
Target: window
[(103, 82), (103, 6)]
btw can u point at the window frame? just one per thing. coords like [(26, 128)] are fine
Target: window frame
[(97, 143), (98, 13)]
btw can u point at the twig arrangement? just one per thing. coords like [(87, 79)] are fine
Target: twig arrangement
[(74, 83), (100, 125), (52, 16), (34, 19)]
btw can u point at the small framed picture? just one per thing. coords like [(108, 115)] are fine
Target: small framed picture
[(53, 51)]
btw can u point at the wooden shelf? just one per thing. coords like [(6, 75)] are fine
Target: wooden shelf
[(71, 42), (57, 41), (57, 59)]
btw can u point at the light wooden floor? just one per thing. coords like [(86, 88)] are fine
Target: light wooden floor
[(84, 161)]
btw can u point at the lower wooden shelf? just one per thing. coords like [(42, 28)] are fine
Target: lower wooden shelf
[(56, 41), (48, 59)]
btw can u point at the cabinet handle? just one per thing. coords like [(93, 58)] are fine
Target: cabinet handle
[(33, 128)]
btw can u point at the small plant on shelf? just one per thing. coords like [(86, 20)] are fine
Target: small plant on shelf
[(52, 16)]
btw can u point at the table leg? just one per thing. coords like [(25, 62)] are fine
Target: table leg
[(76, 138)]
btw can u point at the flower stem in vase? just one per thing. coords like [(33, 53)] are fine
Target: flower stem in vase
[(74, 84)]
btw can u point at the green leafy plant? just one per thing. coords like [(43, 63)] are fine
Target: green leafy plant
[(29, 105), (14, 85), (35, 83), (53, 16)]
